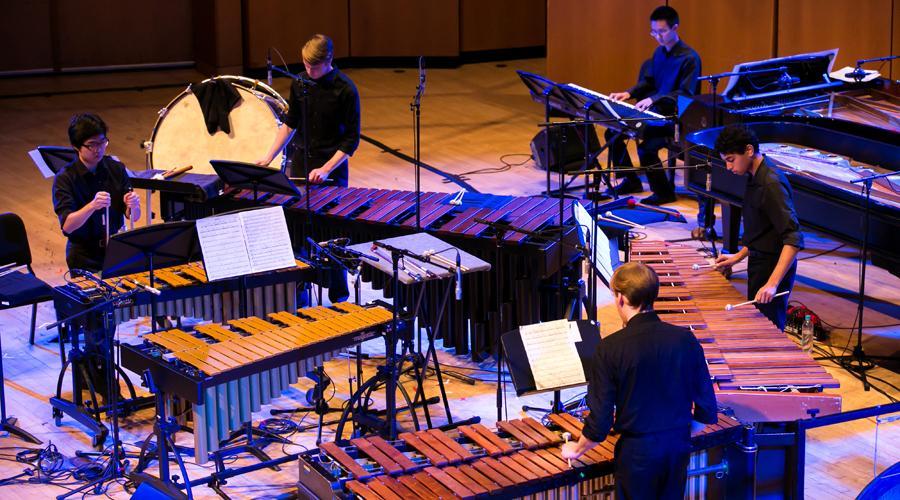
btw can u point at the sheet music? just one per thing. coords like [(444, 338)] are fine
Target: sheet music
[(601, 256), (268, 240), (224, 248), (552, 355), (247, 242)]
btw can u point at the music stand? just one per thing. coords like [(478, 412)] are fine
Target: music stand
[(520, 370), (252, 176)]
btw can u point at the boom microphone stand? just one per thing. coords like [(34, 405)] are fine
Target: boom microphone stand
[(415, 107)]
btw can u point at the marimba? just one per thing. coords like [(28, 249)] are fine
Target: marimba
[(228, 371), (520, 459), (757, 369), (530, 263), (185, 291)]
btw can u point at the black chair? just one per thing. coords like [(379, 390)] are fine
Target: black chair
[(17, 289)]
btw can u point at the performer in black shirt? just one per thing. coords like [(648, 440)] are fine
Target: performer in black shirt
[(650, 374), (772, 236), (84, 189), (671, 71), (333, 122), (332, 113)]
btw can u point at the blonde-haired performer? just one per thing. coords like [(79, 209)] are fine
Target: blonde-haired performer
[(654, 376), (333, 116), (333, 128)]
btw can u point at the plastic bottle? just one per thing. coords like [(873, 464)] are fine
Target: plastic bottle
[(806, 334)]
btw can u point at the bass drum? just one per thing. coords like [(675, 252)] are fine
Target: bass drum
[(180, 137)]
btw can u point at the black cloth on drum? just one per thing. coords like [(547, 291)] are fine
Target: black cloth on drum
[(74, 187), (770, 221), (333, 116), (651, 373), (652, 465), (217, 97)]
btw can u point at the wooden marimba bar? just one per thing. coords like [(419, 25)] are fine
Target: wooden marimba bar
[(747, 354), (521, 459), (228, 372), (186, 292)]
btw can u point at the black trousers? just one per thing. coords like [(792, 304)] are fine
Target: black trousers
[(338, 291), (652, 466), (654, 139), (759, 267)]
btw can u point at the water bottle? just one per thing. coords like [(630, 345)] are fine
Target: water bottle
[(806, 334)]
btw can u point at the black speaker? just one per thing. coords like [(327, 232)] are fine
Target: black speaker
[(572, 148)]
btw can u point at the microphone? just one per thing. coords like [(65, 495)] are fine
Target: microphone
[(337, 241), (146, 288), (458, 277), (636, 204), (269, 65)]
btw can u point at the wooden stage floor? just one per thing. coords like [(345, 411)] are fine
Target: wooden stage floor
[(471, 117)]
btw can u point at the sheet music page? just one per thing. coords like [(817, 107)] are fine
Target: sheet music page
[(268, 240), (552, 355), (598, 243), (224, 247)]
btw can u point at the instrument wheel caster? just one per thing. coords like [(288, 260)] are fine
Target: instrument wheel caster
[(57, 417)]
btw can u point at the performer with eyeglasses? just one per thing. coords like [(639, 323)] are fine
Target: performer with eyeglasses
[(671, 71), (92, 196)]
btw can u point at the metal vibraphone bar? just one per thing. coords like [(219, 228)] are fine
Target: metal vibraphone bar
[(521, 459), (529, 268), (753, 363), (227, 371)]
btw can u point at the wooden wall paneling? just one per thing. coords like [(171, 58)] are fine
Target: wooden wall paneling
[(287, 24), (502, 24), (402, 28), (25, 36), (122, 32), (727, 33), (217, 36), (860, 29), (599, 44)]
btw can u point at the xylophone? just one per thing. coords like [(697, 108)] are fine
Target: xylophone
[(227, 372), (529, 263), (185, 291), (757, 369), (522, 458)]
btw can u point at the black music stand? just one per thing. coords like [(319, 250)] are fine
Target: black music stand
[(251, 176), (520, 369)]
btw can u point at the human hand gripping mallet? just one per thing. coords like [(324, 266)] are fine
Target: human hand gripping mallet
[(729, 307), (566, 436)]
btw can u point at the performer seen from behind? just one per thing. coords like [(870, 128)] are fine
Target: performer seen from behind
[(653, 377), (671, 71), (772, 237)]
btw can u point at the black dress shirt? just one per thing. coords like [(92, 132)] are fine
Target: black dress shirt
[(770, 221), (333, 115), (668, 74), (650, 373), (74, 187)]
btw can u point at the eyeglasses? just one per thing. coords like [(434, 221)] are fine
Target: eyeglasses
[(97, 145), (655, 33)]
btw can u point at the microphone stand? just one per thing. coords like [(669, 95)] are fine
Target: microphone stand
[(415, 107), (858, 363)]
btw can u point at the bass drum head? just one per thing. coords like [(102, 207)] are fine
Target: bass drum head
[(180, 137)]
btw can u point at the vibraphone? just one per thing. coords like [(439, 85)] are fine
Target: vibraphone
[(186, 292), (757, 369), (529, 264), (522, 458), (228, 372)]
